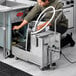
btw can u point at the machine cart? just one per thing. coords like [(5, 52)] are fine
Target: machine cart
[(41, 47)]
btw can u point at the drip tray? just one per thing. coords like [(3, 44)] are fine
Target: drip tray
[(20, 45)]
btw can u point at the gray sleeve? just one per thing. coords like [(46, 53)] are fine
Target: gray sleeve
[(32, 13), (59, 6), (49, 15)]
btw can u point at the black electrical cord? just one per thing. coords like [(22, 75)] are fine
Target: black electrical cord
[(68, 59), (65, 57)]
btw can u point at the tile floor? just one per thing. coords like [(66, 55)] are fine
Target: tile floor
[(64, 68)]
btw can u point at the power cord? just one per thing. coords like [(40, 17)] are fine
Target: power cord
[(64, 56), (67, 58)]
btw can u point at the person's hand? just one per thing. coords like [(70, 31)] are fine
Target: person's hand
[(16, 28), (42, 25), (39, 27)]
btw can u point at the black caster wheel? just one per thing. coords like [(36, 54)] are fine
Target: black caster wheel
[(45, 68), (42, 69), (53, 66), (16, 58)]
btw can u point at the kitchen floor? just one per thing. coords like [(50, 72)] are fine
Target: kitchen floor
[(64, 68)]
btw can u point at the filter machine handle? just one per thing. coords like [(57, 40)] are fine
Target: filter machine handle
[(36, 23)]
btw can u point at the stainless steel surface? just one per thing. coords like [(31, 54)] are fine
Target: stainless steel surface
[(6, 6), (69, 11), (4, 25), (5, 42), (11, 3)]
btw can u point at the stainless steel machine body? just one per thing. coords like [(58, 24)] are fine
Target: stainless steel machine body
[(44, 49)]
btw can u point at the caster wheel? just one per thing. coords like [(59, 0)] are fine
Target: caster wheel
[(16, 58), (53, 66), (45, 68), (42, 69)]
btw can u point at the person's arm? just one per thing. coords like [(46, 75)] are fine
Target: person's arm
[(29, 17), (21, 25), (33, 13), (58, 6)]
